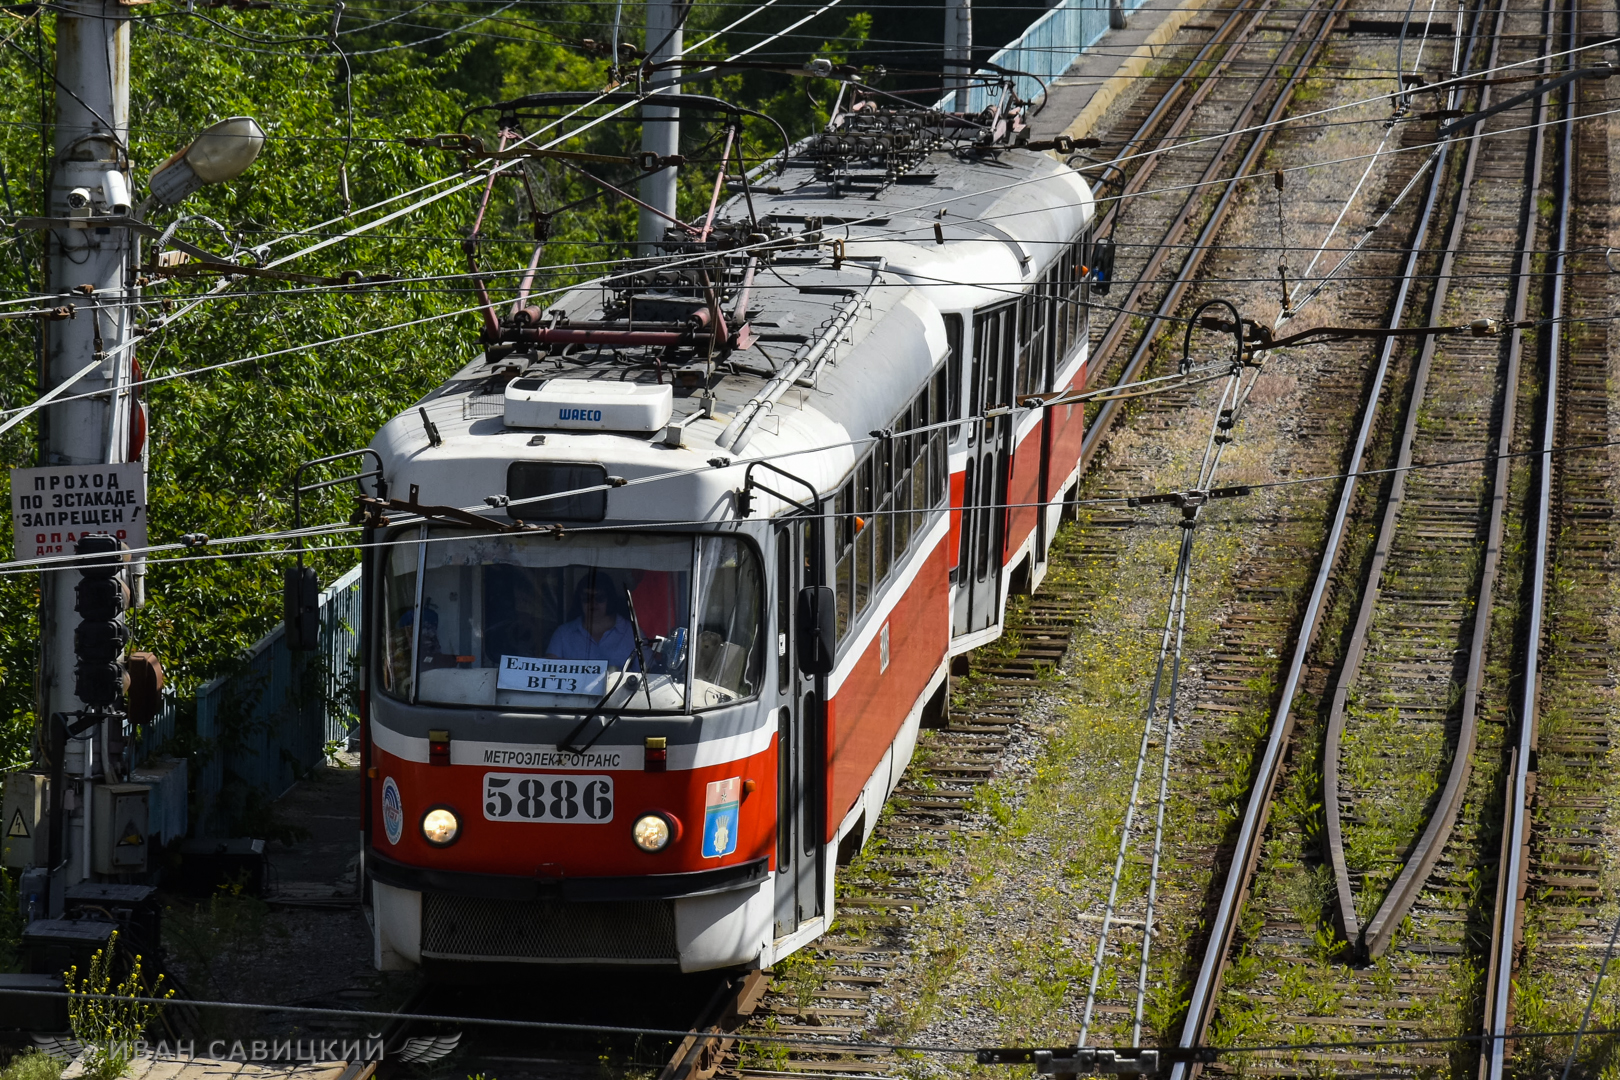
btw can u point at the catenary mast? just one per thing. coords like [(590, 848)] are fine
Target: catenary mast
[(660, 124), (92, 265)]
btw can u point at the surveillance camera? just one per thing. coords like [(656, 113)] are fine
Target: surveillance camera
[(78, 198), (115, 192)]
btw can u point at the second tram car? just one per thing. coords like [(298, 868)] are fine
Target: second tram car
[(669, 579)]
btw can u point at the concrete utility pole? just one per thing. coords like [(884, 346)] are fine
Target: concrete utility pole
[(660, 124), (90, 176), (959, 49)]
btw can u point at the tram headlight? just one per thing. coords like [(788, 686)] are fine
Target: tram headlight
[(652, 832), (440, 826)]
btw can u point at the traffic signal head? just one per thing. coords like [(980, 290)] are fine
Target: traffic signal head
[(145, 688), (100, 686), (112, 555), (98, 599), (1102, 265), (301, 608), (101, 597)]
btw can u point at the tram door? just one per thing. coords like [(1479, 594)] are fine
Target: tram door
[(984, 495), (801, 751)]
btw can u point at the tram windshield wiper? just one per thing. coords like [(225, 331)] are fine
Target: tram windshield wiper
[(639, 679), (641, 655), (626, 676)]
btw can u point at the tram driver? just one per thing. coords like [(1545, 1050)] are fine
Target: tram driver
[(599, 632)]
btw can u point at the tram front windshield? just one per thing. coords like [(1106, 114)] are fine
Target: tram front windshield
[(538, 622)]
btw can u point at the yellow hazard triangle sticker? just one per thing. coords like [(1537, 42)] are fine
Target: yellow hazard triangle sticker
[(19, 828), (131, 838)]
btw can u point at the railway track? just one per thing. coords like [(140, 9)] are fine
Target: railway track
[(835, 991), (1390, 796), (837, 996), (1558, 811), (833, 1000), (1219, 104), (1419, 699)]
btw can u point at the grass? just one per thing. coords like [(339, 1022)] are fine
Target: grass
[(1050, 837), (11, 921), (32, 1065), (210, 938)]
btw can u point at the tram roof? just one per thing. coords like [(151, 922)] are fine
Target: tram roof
[(881, 300)]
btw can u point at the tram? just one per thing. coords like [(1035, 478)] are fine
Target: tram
[(667, 579)]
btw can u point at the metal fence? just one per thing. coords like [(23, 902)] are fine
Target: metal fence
[(1046, 50), (261, 727)]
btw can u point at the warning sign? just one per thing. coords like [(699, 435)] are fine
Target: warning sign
[(131, 837), (52, 507), (19, 828)]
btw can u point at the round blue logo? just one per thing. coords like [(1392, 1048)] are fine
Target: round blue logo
[(393, 811)]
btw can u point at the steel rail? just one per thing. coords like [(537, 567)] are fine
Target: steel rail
[(1144, 137), (1374, 939), (1098, 429), (1246, 851), (1511, 879), (1138, 180), (698, 1056), (1524, 279)]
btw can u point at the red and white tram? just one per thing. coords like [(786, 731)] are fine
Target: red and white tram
[(644, 732)]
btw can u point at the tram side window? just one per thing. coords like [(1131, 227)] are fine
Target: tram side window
[(921, 458), (883, 509), (1059, 319), (1067, 318), (883, 500), (1038, 316), (844, 555), (1028, 338), (864, 531), (900, 455), (1051, 308), (1079, 293), (1008, 384), (936, 444), (951, 400)]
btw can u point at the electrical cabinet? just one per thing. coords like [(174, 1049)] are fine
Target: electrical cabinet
[(119, 828), (22, 821)]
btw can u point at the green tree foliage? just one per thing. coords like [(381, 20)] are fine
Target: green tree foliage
[(223, 445)]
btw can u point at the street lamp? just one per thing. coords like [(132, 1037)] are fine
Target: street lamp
[(223, 151)]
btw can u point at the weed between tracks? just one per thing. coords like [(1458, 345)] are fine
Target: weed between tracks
[(1003, 954), (1575, 874), (212, 940)]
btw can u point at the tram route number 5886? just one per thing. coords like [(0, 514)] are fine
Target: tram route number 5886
[(566, 797)]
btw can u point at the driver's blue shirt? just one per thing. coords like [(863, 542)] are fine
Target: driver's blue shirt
[(571, 641)]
